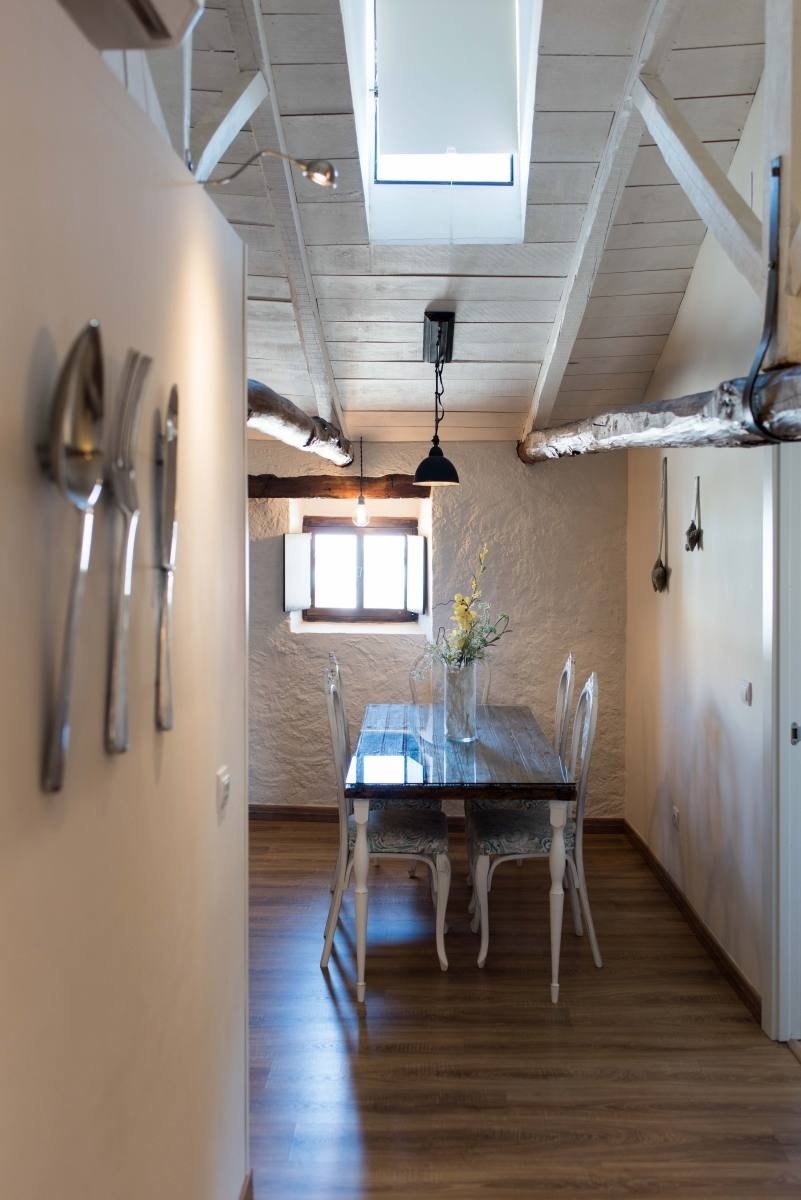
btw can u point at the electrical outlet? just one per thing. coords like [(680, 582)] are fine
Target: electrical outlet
[(675, 817), (223, 789)]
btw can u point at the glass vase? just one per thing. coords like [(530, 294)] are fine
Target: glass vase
[(460, 703)]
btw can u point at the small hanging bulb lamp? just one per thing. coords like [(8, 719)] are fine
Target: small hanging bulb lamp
[(436, 470), (361, 517)]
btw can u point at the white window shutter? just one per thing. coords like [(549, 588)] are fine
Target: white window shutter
[(297, 571), (416, 574)]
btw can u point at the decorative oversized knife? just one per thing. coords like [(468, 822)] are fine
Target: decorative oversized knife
[(167, 550)]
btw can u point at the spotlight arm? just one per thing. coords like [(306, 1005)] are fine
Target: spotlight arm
[(317, 170)]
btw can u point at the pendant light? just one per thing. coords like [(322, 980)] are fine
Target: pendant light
[(436, 470), (361, 516)]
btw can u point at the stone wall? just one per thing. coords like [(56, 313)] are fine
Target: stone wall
[(557, 564)]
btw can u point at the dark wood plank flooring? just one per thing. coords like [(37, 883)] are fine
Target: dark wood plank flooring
[(649, 1079)]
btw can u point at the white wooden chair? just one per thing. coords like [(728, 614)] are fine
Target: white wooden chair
[(561, 730), (498, 836), (564, 701), (564, 704), (419, 836)]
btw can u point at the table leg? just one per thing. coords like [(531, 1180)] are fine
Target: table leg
[(361, 863), (557, 895)]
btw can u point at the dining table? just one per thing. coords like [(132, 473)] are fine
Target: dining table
[(403, 752)]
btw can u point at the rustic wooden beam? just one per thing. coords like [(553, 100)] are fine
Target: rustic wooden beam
[(714, 197), (248, 30), (215, 131), (334, 487), (715, 418), (273, 414)]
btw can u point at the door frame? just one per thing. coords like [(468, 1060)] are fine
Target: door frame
[(781, 991)]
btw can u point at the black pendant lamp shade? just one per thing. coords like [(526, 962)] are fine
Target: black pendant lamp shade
[(436, 470)]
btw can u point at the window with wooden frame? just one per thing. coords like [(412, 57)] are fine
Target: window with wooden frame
[(336, 572)]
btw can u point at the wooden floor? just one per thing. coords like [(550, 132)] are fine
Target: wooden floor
[(649, 1079)]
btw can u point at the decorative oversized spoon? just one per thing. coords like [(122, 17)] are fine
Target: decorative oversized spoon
[(74, 460), (168, 455), (124, 494)]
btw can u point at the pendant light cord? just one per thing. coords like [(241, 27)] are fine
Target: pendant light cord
[(361, 468), (439, 387)]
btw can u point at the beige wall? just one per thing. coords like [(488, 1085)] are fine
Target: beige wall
[(122, 899), (690, 740), (557, 566)]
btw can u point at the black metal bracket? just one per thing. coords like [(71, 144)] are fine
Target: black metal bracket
[(438, 336), (771, 299)]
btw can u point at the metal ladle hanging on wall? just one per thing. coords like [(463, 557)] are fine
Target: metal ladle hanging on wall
[(660, 570)]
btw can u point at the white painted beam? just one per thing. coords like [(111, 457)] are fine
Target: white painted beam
[(250, 42), (654, 44), (720, 206), (212, 136), (782, 137)]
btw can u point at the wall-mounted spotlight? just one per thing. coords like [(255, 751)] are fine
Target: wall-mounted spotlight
[(436, 470), (323, 173)]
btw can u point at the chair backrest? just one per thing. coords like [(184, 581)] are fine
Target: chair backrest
[(564, 703), (333, 665), (584, 723), (483, 681), (421, 680), (338, 726)]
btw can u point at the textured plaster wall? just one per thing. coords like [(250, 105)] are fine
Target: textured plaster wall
[(557, 566), (691, 741)]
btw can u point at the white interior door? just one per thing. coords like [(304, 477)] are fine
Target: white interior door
[(782, 1017)]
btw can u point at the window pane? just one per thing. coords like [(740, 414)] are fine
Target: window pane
[(385, 571), (335, 570)]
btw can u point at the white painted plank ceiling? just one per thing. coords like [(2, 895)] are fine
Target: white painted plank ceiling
[(371, 299)]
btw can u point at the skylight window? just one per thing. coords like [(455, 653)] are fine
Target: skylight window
[(443, 95), (446, 91)]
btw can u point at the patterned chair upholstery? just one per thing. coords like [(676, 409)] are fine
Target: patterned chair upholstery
[(417, 835), (505, 835)]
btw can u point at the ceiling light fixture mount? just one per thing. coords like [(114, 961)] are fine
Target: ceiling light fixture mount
[(323, 173), (436, 470)]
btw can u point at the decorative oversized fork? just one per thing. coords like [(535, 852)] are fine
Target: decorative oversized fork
[(122, 481)]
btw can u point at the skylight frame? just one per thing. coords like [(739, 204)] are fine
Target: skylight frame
[(424, 212)]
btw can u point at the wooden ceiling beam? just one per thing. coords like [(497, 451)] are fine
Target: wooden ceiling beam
[(720, 206), (214, 133), (656, 42), (250, 43), (720, 417), (335, 487), (271, 413)]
